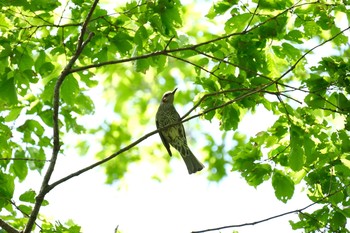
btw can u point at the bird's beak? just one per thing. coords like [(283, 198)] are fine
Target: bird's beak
[(174, 90)]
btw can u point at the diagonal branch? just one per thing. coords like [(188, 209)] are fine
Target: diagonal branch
[(273, 217), (133, 144), (56, 103), (7, 227), (184, 118), (190, 47)]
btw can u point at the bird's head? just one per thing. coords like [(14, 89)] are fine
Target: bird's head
[(168, 97)]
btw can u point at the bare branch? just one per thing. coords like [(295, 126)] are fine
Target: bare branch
[(133, 144), (56, 140), (26, 159), (273, 217)]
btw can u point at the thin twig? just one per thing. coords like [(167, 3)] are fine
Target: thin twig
[(251, 19), (26, 159), (193, 64), (273, 217)]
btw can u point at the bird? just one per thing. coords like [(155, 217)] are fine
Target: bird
[(175, 135)]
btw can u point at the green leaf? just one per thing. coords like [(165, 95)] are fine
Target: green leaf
[(8, 94), (296, 158), (141, 36), (295, 36), (230, 118), (311, 28), (141, 65), (237, 23), (19, 166), (13, 114), (7, 187), (70, 90), (291, 51), (38, 156), (28, 196), (338, 220), (47, 94), (46, 69), (343, 102), (283, 186), (26, 62), (220, 7), (273, 4), (25, 209), (32, 126), (47, 117), (123, 42), (85, 104), (314, 101)]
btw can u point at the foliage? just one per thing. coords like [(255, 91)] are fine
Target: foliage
[(54, 53)]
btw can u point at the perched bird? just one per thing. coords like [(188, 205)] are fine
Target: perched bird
[(175, 135)]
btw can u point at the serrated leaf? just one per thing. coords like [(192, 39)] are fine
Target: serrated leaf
[(230, 118)]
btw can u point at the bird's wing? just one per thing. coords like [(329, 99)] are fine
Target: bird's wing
[(165, 142)]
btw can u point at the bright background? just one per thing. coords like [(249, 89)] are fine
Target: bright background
[(179, 203)]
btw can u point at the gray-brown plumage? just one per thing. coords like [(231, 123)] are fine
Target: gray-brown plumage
[(175, 135)]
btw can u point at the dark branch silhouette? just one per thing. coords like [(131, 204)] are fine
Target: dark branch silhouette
[(273, 217), (56, 104)]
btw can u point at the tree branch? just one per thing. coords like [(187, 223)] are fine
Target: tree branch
[(56, 102), (83, 170), (183, 118), (7, 227), (190, 47), (273, 217)]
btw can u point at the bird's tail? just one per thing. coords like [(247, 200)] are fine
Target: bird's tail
[(192, 163)]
